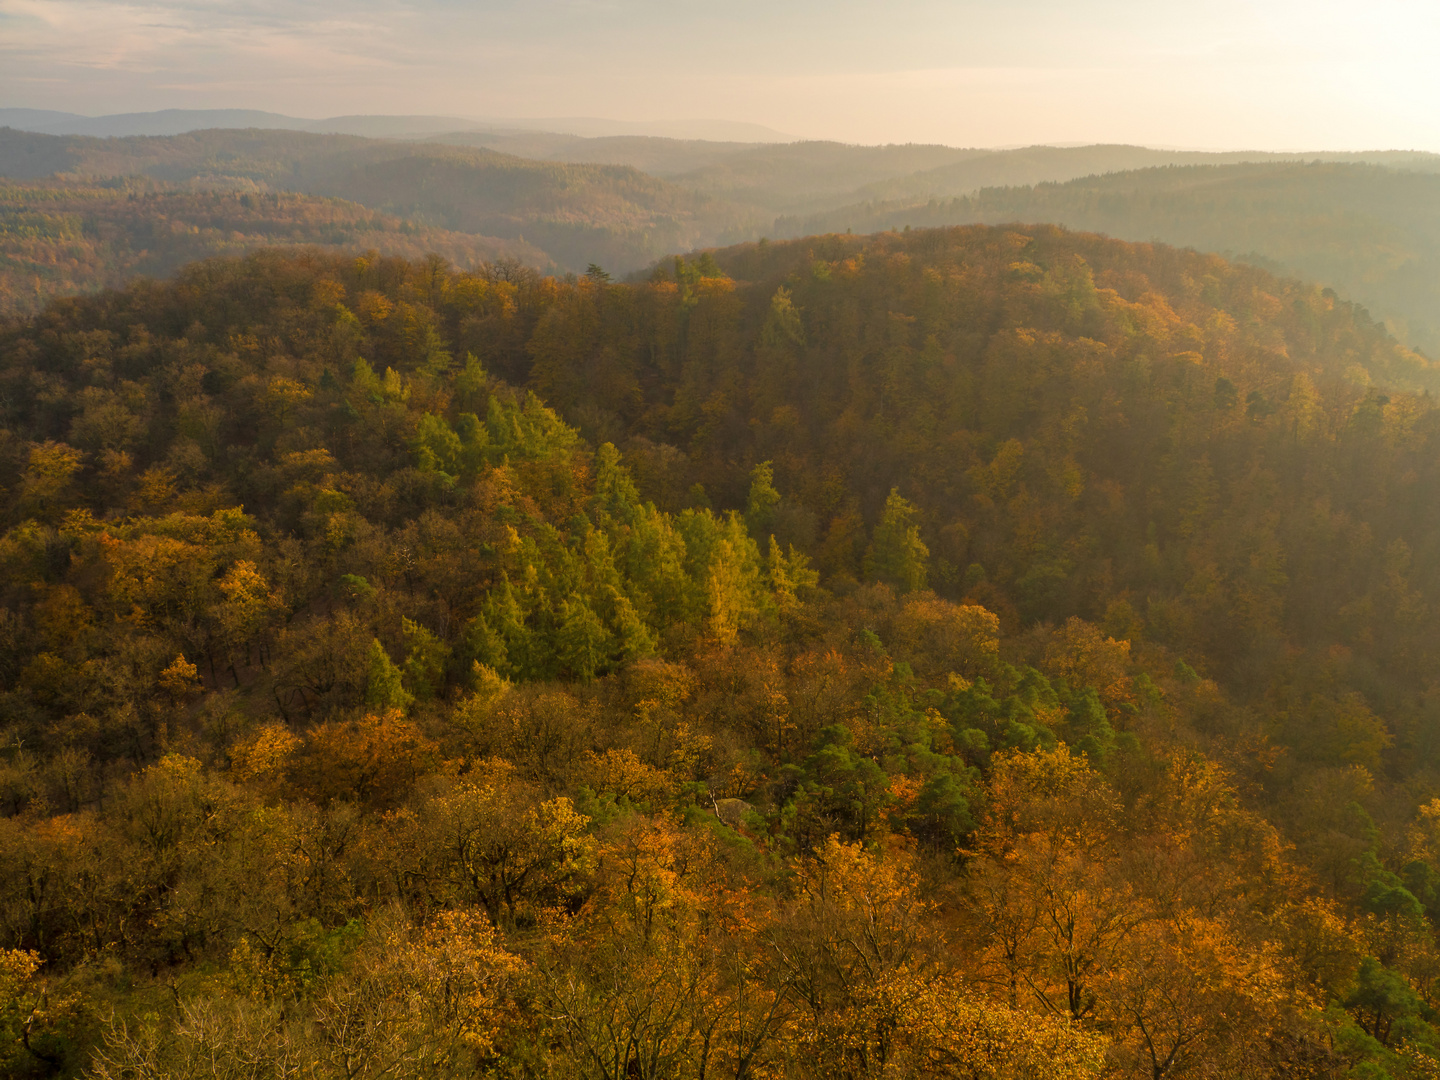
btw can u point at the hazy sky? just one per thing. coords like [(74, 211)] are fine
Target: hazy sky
[(1283, 74)]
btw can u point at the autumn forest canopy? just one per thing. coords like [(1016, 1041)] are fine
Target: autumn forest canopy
[(78, 213), (986, 652)]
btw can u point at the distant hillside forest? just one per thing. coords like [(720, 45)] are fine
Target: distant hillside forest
[(978, 653), (1362, 224), (575, 213), (1371, 233), (61, 239)]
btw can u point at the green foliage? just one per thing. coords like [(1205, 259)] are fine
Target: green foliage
[(760, 504), (426, 658), (583, 644), (896, 555), (791, 577), (384, 687), (437, 447), (1382, 1000), (844, 790), (1087, 725)]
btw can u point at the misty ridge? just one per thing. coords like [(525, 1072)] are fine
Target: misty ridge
[(1365, 225)]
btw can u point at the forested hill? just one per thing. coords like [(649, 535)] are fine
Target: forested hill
[(1371, 233), (577, 213), (1363, 224), (1085, 425), (1055, 164), (983, 652), (61, 239)]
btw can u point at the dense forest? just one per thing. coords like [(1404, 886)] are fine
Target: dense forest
[(985, 653), (58, 239), (1371, 233)]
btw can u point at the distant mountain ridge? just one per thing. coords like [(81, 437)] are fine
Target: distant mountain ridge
[(183, 121), (570, 214)]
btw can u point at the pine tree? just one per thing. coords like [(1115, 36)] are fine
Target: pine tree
[(425, 660), (790, 576), (384, 689), (480, 644), (896, 554), (760, 506), (583, 643)]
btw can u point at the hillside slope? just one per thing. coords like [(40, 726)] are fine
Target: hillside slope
[(359, 715), (1050, 164), (622, 202), (62, 239), (358, 704), (810, 177), (665, 158), (1370, 233), (613, 215), (1052, 403), (578, 214)]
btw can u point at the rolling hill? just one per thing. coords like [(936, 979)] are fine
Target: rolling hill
[(61, 239), (1362, 224), (182, 121), (1371, 233), (988, 651), (577, 214)]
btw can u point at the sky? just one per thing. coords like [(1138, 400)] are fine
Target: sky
[(1222, 74)]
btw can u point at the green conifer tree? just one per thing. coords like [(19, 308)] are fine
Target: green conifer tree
[(760, 506), (481, 644), (384, 688), (582, 642), (425, 660), (790, 576), (897, 556)]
